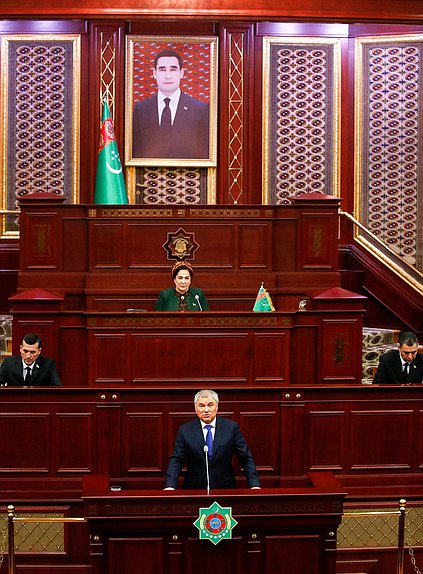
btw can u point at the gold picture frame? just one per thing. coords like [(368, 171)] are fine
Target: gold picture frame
[(39, 120), (190, 139)]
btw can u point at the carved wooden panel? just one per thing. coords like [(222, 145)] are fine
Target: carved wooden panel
[(299, 554), (107, 246), (74, 444), (26, 445), (271, 358), (339, 350), (42, 241), (142, 438), (127, 554), (382, 438), (109, 353), (326, 437), (317, 247)]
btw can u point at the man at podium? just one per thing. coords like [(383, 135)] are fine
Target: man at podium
[(206, 446)]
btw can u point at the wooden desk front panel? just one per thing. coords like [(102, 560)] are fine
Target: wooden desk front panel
[(366, 436), (195, 357), (111, 258), (373, 434)]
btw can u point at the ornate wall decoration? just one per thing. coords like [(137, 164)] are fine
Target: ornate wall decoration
[(108, 41), (389, 158), (301, 107), (40, 113), (171, 185), (236, 116)]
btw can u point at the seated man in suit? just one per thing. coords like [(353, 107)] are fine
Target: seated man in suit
[(30, 368), (170, 124), (193, 444), (404, 366)]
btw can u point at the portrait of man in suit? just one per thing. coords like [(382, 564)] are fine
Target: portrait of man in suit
[(171, 101), (216, 438), (171, 123)]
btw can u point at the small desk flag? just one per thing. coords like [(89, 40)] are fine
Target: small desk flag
[(263, 301), (109, 183)]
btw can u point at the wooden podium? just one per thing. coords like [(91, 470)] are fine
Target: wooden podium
[(278, 530)]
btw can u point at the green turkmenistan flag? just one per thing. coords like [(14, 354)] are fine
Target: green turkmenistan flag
[(263, 301), (109, 183)]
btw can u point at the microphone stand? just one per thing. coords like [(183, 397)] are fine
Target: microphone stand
[(206, 450), (198, 301)]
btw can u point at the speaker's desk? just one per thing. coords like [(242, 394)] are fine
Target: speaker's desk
[(278, 530)]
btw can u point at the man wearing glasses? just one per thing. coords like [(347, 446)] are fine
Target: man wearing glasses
[(402, 367)]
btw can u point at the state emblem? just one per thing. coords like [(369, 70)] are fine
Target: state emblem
[(215, 523)]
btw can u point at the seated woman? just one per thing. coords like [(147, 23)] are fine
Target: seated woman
[(182, 297)]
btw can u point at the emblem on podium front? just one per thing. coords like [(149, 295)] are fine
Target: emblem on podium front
[(180, 245), (215, 523)]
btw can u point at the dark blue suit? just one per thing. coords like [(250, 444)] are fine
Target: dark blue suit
[(389, 370), (43, 373), (187, 138), (189, 450)]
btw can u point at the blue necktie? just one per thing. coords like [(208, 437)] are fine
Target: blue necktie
[(209, 440)]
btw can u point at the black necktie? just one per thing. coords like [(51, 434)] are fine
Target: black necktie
[(166, 119), (27, 376), (405, 372)]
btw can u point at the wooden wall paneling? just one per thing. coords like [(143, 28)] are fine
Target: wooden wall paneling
[(27, 441), (193, 555), (107, 246), (142, 440), (44, 242), (292, 434), (201, 358), (74, 446), (255, 246), (72, 363), (108, 432), (261, 427), (236, 125), (419, 442), (304, 356), (365, 436), (326, 440), (145, 244), (123, 552), (318, 242), (340, 358), (271, 355), (359, 10), (382, 438), (75, 243), (299, 553), (109, 354), (285, 246)]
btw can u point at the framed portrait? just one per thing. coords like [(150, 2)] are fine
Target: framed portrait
[(171, 101)]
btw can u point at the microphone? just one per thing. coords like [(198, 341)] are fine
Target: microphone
[(198, 301), (206, 451)]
